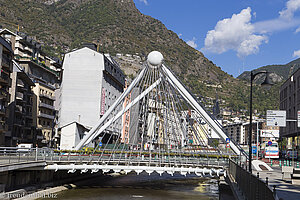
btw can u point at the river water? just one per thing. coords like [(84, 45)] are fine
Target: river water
[(144, 187)]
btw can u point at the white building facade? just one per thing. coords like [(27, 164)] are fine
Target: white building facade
[(91, 83)]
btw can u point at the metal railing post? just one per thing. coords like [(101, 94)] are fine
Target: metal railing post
[(274, 191), (36, 154)]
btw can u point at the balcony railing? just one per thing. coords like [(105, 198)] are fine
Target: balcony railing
[(47, 96), (6, 61), (3, 93), (4, 77), (23, 58), (20, 83), (2, 126), (19, 122), (18, 108), (28, 49), (46, 116), (19, 95), (44, 105), (2, 111)]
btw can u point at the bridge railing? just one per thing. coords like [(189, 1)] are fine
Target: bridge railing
[(10, 155), (251, 186)]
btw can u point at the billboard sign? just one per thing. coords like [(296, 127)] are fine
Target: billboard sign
[(298, 118), (276, 118), (269, 133)]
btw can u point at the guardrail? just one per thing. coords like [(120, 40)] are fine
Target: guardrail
[(251, 186)]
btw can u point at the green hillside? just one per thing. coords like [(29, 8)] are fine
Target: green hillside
[(119, 27)]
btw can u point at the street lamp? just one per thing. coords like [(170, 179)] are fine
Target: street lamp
[(266, 84)]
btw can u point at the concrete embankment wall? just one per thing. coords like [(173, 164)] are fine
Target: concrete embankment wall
[(37, 179)]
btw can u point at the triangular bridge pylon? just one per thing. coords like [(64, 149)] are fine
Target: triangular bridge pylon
[(156, 113)]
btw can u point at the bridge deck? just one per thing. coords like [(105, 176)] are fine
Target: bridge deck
[(21, 165)]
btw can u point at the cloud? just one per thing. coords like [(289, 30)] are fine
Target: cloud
[(284, 21), (278, 24), (297, 30), (296, 54), (235, 33), (145, 2), (291, 7), (180, 34), (192, 43)]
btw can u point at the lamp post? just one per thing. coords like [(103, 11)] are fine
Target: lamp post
[(267, 83)]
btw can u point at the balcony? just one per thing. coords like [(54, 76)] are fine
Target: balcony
[(28, 49), (23, 58), (28, 115), (2, 111), (2, 127), (44, 105), (3, 93), (20, 83), (4, 78), (19, 45), (18, 109), (19, 95), (47, 96), (46, 116), (19, 122), (6, 62)]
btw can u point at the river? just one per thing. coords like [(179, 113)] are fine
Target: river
[(144, 187)]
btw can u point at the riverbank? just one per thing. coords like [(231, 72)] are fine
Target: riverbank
[(25, 186)]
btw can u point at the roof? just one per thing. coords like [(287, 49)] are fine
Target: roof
[(5, 30), (78, 124), (22, 74)]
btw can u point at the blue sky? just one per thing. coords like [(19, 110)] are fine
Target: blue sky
[(237, 35)]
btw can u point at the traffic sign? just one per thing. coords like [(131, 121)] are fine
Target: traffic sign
[(270, 143), (100, 144), (227, 140), (254, 149), (276, 118), (227, 145)]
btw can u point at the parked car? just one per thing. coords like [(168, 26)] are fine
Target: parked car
[(291, 155)]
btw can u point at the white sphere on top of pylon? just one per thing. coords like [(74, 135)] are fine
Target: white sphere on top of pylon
[(155, 58)]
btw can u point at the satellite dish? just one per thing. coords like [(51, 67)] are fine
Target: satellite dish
[(155, 58)]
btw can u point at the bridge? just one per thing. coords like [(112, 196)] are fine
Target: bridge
[(156, 125)]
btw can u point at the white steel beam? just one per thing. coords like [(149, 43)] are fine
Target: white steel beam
[(189, 98), (119, 114), (106, 114)]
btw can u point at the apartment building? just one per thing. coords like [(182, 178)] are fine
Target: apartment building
[(6, 56), (290, 102), (45, 72), (236, 132), (20, 123), (91, 83)]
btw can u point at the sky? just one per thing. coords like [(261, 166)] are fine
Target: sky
[(236, 35)]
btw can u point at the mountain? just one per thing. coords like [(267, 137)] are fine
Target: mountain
[(117, 26), (279, 73)]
